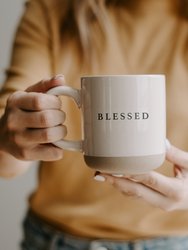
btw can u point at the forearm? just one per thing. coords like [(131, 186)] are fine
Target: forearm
[(11, 167)]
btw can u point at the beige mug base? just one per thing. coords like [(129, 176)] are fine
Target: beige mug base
[(125, 165)]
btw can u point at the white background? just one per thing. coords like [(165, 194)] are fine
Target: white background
[(14, 192)]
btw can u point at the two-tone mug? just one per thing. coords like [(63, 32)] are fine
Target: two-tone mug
[(124, 122)]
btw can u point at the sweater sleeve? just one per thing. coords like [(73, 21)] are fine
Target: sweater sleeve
[(31, 58)]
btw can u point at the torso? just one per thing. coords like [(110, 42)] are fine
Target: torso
[(69, 198)]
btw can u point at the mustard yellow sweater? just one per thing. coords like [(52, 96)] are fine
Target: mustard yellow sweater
[(138, 42)]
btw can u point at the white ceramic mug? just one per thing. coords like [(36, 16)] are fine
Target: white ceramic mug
[(124, 122)]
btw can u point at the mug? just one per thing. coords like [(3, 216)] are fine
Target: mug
[(123, 120)]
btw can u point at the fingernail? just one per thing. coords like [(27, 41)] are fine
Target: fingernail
[(117, 175), (99, 178), (168, 144)]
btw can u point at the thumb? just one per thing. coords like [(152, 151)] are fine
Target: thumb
[(177, 156), (44, 85)]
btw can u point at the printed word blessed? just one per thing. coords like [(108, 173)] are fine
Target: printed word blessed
[(123, 116)]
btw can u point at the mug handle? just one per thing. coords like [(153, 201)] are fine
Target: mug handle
[(76, 95)]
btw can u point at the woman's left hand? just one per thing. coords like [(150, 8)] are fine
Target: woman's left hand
[(167, 193)]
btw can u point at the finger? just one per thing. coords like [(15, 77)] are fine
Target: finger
[(167, 186), (39, 136), (46, 84), (177, 156), (44, 119), (37, 119), (178, 172), (45, 153), (34, 101), (138, 190)]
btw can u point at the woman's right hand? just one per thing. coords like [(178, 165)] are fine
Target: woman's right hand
[(32, 121)]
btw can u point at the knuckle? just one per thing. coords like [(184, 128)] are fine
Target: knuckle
[(47, 135), (128, 189), (52, 134), (133, 193), (45, 118), (38, 101), (149, 179)]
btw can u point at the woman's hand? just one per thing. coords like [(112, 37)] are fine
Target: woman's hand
[(167, 193), (32, 121)]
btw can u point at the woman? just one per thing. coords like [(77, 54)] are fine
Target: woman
[(70, 210)]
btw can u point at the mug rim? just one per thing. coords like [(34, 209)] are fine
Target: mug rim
[(124, 75)]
